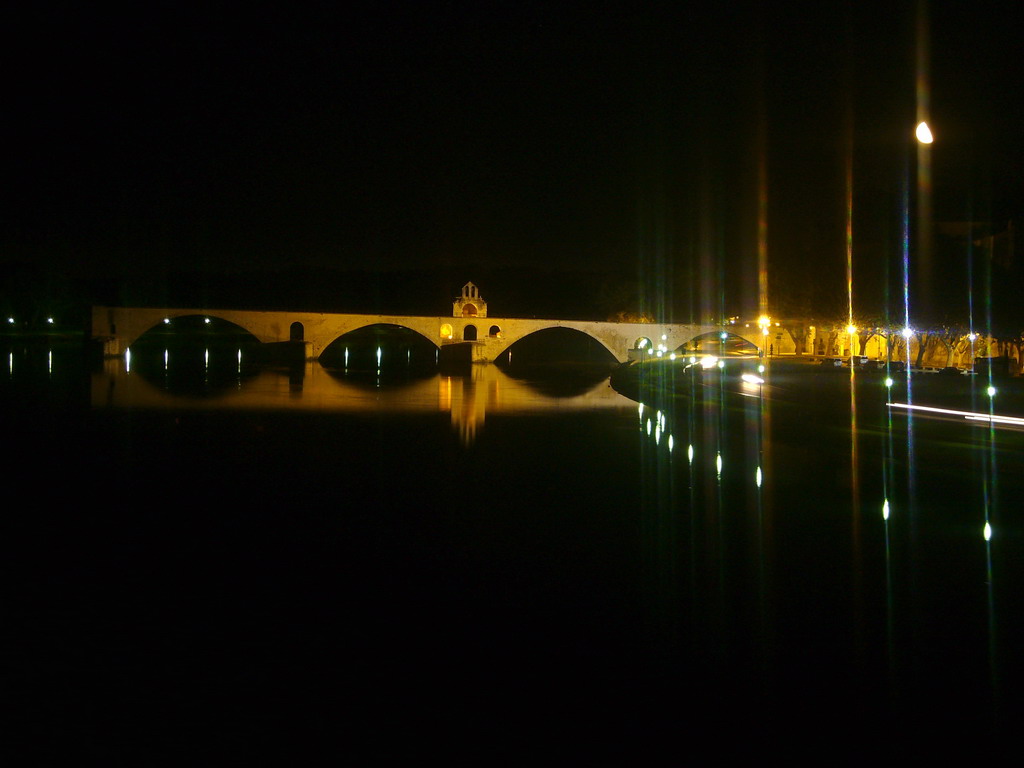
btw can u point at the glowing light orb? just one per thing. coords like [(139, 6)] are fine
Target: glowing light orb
[(924, 133)]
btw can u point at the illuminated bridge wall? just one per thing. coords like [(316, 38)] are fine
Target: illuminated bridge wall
[(119, 327)]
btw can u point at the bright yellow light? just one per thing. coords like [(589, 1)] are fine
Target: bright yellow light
[(924, 133), (851, 329), (708, 362), (764, 320), (446, 331)]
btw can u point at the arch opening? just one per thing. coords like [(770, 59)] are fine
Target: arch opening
[(196, 355), (469, 333), (392, 350), (720, 344), (296, 332), (560, 362)]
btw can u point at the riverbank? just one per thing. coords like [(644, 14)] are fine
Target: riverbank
[(802, 381)]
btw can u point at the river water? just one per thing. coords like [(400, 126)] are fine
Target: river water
[(500, 566)]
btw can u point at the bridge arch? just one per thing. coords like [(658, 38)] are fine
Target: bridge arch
[(721, 341), (554, 329), (357, 345), (190, 326), (375, 323)]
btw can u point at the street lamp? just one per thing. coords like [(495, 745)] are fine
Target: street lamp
[(924, 133)]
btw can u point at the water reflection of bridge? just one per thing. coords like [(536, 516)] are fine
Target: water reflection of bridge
[(469, 399)]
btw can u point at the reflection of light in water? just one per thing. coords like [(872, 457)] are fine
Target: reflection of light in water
[(987, 531), (49, 361), (378, 358), (10, 362), (206, 359), (689, 453), (648, 426), (718, 464), (346, 358), (885, 509), (239, 361), (166, 358), (968, 415), (757, 477), (671, 443), (657, 434), (128, 360)]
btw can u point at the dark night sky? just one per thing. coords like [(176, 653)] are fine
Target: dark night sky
[(561, 135)]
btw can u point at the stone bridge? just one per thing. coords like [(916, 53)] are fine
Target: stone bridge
[(119, 327)]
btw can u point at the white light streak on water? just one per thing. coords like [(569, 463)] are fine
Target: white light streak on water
[(969, 415)]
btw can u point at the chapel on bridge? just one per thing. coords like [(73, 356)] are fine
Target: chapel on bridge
[(469, 304)]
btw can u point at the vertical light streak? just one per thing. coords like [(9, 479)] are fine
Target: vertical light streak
[(888, 463), (762, 231), (849, 224), (924, 177)]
